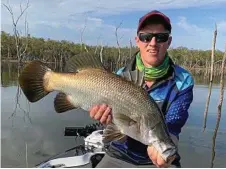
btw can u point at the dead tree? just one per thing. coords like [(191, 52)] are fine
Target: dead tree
[(119, 51), (219, 107), (211, 78), (81, 37), (21, 47)]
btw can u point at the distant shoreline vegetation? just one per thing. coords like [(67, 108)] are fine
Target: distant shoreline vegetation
[(58, 52)]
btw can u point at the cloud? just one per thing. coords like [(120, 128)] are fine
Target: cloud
[(222, 26), (64, 19), (191, 28), (62, 10), (194, 36)]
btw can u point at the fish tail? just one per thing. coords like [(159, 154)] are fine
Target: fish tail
[(33, 81)]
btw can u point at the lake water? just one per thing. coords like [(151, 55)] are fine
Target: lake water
[(43, 131)]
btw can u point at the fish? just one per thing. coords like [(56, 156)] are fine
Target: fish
[(87, 82)]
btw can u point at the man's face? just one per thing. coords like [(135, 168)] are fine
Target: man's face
[(153, 52)]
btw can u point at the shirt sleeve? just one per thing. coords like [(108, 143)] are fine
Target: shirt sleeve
[(177, 114)]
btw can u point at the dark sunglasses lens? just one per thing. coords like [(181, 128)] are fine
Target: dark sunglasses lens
[(145, 37), (162, 37)]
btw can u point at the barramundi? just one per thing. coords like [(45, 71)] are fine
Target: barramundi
[(86, 83)]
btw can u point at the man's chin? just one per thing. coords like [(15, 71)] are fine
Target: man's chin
[(153, 60)]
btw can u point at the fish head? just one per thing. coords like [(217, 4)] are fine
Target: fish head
[(157, 135), (152, 130)]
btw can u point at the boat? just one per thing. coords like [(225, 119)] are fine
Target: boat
[(86, 155)]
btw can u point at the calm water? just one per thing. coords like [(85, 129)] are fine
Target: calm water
[(44, 132)]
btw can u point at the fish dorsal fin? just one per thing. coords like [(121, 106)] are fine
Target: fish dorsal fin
[(83, 61), (134, 76)]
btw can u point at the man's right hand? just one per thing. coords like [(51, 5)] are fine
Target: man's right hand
[(101, 113)]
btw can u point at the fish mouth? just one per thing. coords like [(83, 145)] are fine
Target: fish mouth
[(167, 149)]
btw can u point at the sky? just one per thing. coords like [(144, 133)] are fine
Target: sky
[(193, 21)]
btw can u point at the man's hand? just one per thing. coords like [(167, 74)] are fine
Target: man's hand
[(101, 113), (156, 158)]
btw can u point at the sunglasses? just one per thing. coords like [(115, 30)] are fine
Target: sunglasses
[(160, 37)]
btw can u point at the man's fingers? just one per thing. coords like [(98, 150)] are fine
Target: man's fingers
[(161, 162), (105, 115), (157, 159), (100, 112), (154, 156), (109, 119), (151, 149), (93, 110)]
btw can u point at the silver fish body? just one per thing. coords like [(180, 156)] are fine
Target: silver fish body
[(134, 112)]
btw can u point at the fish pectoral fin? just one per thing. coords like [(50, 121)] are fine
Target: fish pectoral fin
[(32, 81), (125, 120), (83, 61), (134, 76), (112, 133), (132, 123), (62, 103)]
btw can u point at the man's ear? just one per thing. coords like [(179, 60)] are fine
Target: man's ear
[(169, 41), (137, 40)]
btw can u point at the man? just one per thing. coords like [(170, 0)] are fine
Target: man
[(168, 84)]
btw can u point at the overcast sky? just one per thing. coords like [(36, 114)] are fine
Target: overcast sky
[(193, 21)]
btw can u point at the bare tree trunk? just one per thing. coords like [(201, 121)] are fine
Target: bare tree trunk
[(206, 72), (81, 37), (219, 106), (211, 79), (96, 45), (61, 60), (101, 52), (20, 46), (117, 41), (9, 67), (55, 61), (130, 50), (8, 53)]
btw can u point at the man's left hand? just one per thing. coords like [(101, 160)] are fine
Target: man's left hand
[(157, 159)]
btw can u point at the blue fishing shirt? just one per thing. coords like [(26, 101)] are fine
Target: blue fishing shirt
[(173, 94)]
